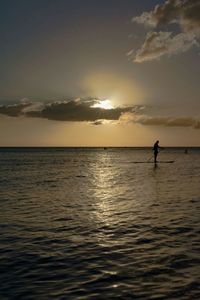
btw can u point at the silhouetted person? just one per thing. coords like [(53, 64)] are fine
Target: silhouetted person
[(155, 149)]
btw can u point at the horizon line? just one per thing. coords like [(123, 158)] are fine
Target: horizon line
[(3, 147)]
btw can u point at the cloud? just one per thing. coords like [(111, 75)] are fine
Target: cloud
[(83, 110), (14, 110), (168, 121), (185, 13), (98, 122), (161, 43), (77, 110), (104, 122), (35, 106)]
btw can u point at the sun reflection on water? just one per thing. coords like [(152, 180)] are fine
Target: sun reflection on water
[(106, 193)]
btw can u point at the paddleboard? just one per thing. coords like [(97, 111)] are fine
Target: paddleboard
[(152, 162)]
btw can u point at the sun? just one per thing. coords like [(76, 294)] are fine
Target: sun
[(104, 104)]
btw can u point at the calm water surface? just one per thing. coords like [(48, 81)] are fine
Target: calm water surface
[(92, 224)]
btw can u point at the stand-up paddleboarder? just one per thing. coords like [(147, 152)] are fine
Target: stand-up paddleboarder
[(155, 150)]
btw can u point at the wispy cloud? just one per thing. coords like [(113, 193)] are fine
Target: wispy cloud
[(168, 121), (161, 43), (185, 13)]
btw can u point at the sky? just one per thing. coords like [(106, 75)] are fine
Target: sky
[(99, 72)]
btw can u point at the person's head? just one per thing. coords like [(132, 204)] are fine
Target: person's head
[(157, 142)]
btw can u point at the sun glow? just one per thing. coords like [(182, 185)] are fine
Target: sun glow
[(104, 104)]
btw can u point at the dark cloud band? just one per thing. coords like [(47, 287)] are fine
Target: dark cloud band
[(71, 111), (82, 110)]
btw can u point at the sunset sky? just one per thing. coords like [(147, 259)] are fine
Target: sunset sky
[(99, 72)]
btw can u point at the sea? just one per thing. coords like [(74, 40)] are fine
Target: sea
[(99, 223)]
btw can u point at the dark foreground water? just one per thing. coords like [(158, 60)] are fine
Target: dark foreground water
[(92, 224)]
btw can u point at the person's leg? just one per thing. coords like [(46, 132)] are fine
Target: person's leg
[(155, 157)]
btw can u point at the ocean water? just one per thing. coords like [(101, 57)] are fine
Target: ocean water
[(93, 224)]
